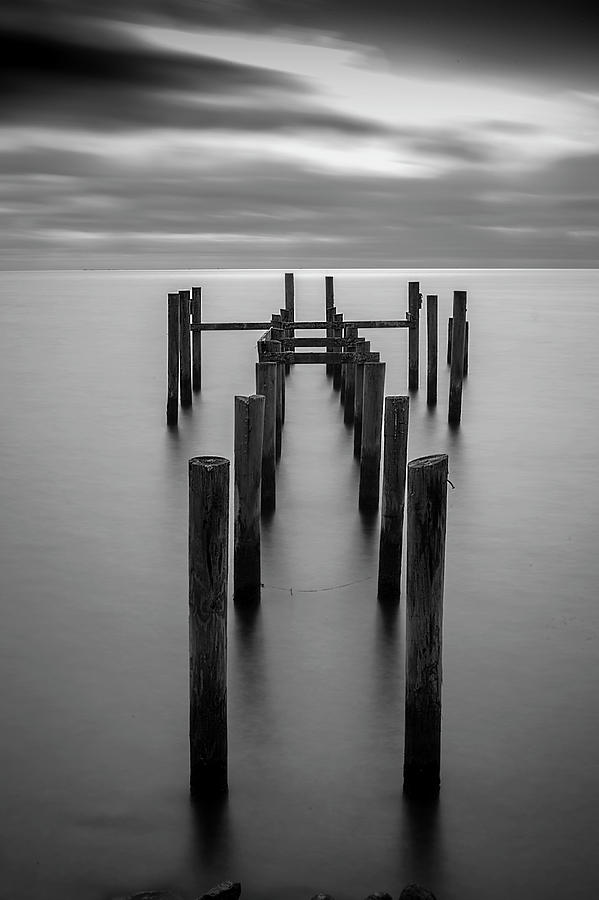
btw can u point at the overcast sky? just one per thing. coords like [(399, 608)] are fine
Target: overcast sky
[(197, 133)]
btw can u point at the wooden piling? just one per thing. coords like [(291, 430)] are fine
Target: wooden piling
[(414, 335), (329, 295), (449, 338), (349, 398), (266, 384), (358, 400), (172, 391), (249, 433), (185, 348), (466, 342), (394, 489), (289, 302), (208, 575), (426, 525), (196, 338), (432, 350), (338, 333), (372, 420), (457, 357)]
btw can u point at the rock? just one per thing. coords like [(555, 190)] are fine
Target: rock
[(321, 897), (226, 890), (416, 892), (152, 895), (379, 896)]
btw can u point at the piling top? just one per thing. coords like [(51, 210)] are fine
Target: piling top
[(423, 462), (208, 462)]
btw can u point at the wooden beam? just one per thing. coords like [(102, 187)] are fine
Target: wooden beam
[(292, 358), (298, 326)]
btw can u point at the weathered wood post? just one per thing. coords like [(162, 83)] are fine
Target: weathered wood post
[(350, 377), (196, 338), (172, 391), (432, 350), (414, 334), (289, 302), (338, 333), (185, 347), (277, 333), (427, 510), (449, 341), (359, 400), (372, 420), (266, 384), (208, 575), (394, 489), (457, 357), (329, 295), (249, 433)]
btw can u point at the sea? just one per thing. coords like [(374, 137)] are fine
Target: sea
[(94, 600)]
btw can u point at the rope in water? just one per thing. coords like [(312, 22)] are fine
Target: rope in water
[(334, 587)]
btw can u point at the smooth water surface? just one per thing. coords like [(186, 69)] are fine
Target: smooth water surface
[(93, 585)]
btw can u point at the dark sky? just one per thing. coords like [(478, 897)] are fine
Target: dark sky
[(261, 133)]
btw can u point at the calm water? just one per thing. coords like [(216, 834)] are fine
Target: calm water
[(93, 758)]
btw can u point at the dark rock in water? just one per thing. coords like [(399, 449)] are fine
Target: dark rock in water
[(379, 896), (226, 890), (322, 897), (416, 892), (153, 895)]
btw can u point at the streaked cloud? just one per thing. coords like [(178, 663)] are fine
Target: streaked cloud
[(239, 145)]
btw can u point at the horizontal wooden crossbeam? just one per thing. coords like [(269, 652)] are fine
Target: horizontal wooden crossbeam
[(292, 358), (298, 326)]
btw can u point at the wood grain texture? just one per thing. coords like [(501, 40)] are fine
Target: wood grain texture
[(172, 390), (249, 434), (208, 576), (395, 454)]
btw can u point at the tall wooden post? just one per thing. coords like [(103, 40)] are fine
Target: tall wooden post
[(208, 575), (414, 334), (289, 302), (196, 338), (266, 384), (359, 400), (172, 393), (329, 295), (185, 348), (372, 420), (466, 342), (427, 509), (278, 334), (337, 332), (449, 339), (350, 378), (432, 350), (249, 432), (394, 489), (457, 357)]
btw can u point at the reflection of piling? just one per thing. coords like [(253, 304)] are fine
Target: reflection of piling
[(266, 384), (372, 420), (414, 334), (172, 392), (426, 520), (457, 357), (249, 431), (431, 345), (393, 494), (185, 348), (208, 574), (196, 338)]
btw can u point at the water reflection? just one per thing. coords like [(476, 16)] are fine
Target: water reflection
[(421, 837), (210, 833)]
